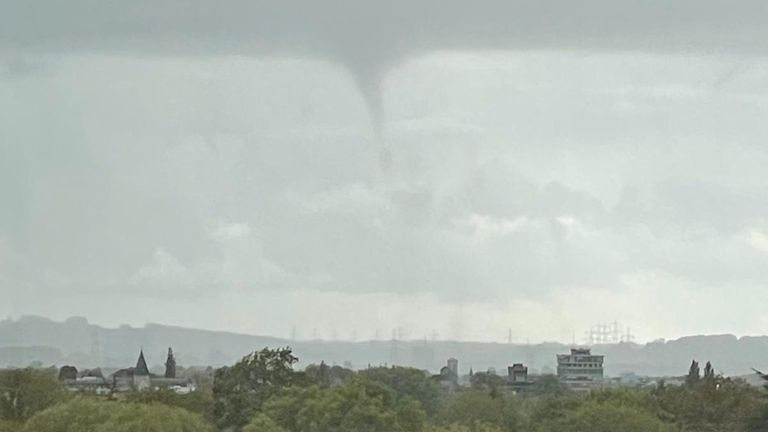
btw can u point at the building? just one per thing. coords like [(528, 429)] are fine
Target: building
[(518, 380), (517, 373), (136, 378), (88, 381), (453, 365), (448, 377), (580, 370), (139, 378)]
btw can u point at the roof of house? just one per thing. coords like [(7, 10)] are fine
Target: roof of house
[(141, 366)]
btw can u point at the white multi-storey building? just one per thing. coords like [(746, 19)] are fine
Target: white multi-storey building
[(580, 370)]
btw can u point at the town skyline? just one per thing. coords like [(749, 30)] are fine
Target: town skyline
[(35, 340)]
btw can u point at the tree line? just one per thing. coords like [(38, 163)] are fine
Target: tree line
[(264, 393)]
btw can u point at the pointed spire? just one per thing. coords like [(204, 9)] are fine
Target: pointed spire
[(141, 365)]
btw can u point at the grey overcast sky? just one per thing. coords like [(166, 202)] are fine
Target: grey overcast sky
[(354, 166)]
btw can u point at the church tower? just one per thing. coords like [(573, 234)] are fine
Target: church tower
[(170, 365), (141, 374)]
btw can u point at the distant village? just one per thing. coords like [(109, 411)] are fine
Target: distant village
[(137, 378), (580, 371)]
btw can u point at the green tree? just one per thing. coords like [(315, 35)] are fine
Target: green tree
[(79, 414), (240, 390), (93, 415), (551, 407), (262, 423), (198, 402), (489, 382), (640, 399), (709, 375), (326, 376), (694, 374), (24, 392), (474, 408), (170, 365), (480, 427), (9, 426), (759, 422), (410, 415), (593, 416), (407, 383), (727, 405), (549, 385), (359, 405), (153, 418)]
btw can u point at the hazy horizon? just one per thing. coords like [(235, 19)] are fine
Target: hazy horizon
[(579, 338)]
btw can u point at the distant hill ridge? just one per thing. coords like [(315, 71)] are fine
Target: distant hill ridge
[(33, 339)]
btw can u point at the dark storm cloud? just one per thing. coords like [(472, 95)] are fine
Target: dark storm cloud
[(368, 36), (370, 31)]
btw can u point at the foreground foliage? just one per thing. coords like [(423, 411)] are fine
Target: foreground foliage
[(359, 405), (262, 393), (90, 415), (24, 392), (239, 391)]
